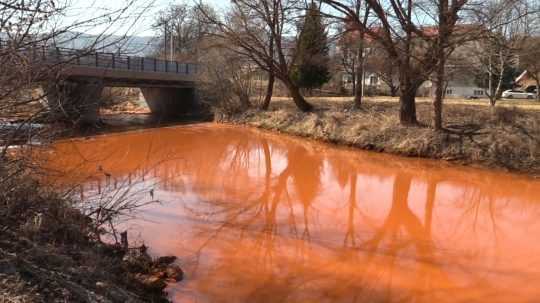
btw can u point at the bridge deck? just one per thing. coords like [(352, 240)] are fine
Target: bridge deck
[(114, 69)]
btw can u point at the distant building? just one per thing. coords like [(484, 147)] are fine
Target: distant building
[(373, 83), (459, 85), (461, 82), (526, 82)]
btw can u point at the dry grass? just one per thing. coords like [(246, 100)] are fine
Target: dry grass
[(520, 103), (504, 137), (49, 252)]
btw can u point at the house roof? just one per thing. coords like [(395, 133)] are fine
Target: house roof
[(521, 77), (459, 29), (353, 33)]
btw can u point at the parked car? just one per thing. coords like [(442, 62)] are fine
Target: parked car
[(517, 94), (531, 89)]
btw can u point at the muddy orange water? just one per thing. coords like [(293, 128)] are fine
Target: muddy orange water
[(258, 217)]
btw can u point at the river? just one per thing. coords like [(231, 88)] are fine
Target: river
[(258, 217)]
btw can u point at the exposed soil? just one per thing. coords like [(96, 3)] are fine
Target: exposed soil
[(49, 252)]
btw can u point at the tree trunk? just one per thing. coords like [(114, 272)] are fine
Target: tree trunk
[(354, 83), (495, 96), (269, 92), (439, 90), (492, 100), (297, 97), (438, 101), (407, 100), (407, 108), (393, 90), (271, 76), (359, 91)]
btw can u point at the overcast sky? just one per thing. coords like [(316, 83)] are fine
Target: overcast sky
[(80, 10)]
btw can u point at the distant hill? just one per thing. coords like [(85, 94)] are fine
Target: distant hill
[(132, 45)]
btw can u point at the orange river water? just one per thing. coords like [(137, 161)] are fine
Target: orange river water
[(260, 217)]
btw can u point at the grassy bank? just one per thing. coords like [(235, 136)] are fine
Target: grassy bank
[(507, 137), (49, 252)]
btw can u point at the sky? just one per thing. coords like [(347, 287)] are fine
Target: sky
[(80, 10)]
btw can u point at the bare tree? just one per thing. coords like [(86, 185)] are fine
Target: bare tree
[(400, 28), (529, 60), (29, 30), (261, 31), (506, 26), (182, 29), (354, 46), (443, 40), (502, 37), (227, 79), (382, 65), (362, 11), (271, 79), (347, 50)]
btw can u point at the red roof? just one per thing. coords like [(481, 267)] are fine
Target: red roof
[(353, 33)]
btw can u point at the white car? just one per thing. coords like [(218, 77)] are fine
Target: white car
[(517, 94)]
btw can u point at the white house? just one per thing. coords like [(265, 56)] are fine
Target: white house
[(459, 85)]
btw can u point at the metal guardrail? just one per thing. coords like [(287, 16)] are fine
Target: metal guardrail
[(50, 54)]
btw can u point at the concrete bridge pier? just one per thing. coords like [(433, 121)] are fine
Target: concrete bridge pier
[(75, 102), (170, 102)]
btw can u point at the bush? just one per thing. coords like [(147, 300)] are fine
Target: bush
[(226, 81)]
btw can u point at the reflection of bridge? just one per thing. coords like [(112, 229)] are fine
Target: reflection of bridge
[(168, 86)]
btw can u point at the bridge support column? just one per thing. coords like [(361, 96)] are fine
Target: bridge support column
[(75, 102), (170, 102)]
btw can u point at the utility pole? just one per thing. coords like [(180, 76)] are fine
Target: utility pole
[(171, 39), (365, 53), (165, 37)]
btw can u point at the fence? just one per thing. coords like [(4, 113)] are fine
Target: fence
[(87, 58)]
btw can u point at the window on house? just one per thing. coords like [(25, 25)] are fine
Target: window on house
[(449, 92), (478, 92), (373, 80)]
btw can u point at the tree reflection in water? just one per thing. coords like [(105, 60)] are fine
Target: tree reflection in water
[(276, 219)]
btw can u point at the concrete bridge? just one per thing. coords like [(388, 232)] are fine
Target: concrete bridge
[(74, 91)]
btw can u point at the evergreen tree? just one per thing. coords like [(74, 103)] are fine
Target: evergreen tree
[(311, 62)]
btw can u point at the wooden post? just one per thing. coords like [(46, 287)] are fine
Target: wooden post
[(113, 63), (142, 63), (155, 64), (128, 63)]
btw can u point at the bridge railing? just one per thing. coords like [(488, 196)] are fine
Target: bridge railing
[(105, 60)]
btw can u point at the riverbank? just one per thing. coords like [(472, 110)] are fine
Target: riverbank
[(51, 252), (506, 138), (337, 217)]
